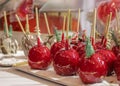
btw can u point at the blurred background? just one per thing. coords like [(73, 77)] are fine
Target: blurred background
[(55, 10)]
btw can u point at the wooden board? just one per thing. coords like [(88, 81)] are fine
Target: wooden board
[(51, 76)]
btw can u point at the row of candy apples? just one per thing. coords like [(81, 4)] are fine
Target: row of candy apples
[(89, 58)]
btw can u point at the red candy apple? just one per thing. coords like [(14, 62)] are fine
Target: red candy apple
[(66, 61), (39, 56), (92, 67), (104, 9)]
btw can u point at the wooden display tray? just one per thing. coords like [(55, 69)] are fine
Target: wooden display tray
[(51, 76)]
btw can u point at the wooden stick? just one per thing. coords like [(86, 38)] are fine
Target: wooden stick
[(27, 24), (68, 23), (108, 25), (78, 22), (21, 26), (117, 18), (94, 23), (64, 22), (6, 24), (37, 21), (46, 20)]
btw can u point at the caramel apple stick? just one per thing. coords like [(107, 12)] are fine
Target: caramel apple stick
[(46, 20), (117, 18), (68, 23), (78, 22), (93, 28), (6, 24), (108, 25), (27, 25), (94, 23), (21, 26), (64, 23), (37, 22)]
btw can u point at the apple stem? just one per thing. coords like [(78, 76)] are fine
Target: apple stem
[(62, 36), (103, 41), (92, 41), (89, 48), (38, 41), (84, 35), (10, 30), (67, 45)]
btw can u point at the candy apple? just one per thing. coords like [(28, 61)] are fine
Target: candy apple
[(8, 44), (39, 56), (104, 9), (66, 61), (91, 67)]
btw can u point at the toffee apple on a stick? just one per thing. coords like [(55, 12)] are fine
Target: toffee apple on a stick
[(103, 47), (7, 43), (28, 41), (39, 56), (91, 66), (60, 43), (82, 44), (66, 60), (77, 42)]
